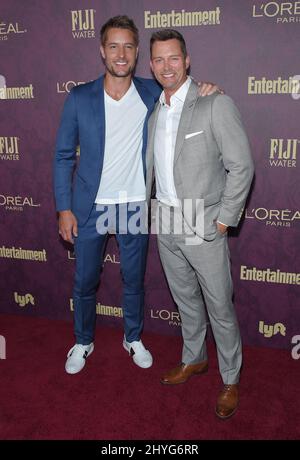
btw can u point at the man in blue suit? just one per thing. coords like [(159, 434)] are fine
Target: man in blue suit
[(108, 119)]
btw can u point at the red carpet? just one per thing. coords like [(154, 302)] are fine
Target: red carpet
[(114, 399)]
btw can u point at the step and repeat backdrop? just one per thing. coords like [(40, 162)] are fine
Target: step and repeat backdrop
[(250, 49)]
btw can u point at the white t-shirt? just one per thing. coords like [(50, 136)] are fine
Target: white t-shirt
[(122, 178)]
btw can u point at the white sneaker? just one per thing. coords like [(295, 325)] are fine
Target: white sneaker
[(140, 355), (77, 356)]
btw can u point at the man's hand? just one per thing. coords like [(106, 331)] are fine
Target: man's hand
[(222, 228), (206, 88), (67, 225)]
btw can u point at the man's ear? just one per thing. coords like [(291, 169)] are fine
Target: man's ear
[(151, 66), (102, 51), (187, 62)]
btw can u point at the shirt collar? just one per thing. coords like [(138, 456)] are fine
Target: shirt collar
[(179, 96)]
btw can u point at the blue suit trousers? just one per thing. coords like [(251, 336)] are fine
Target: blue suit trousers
[(89, 248)]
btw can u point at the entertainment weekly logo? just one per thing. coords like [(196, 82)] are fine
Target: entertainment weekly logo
[(15, 92), (280, 85), (186, 218)]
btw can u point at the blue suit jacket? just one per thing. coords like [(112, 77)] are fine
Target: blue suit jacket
[(83, 123)]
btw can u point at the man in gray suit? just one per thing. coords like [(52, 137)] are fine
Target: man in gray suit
[(201, 157)]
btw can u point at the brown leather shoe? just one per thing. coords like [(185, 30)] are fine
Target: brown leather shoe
[(182, 373), (227, 402)]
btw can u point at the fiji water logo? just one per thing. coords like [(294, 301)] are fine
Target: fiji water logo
[(83, 23), (283, 152)]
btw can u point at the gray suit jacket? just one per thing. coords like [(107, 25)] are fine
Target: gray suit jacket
[(215, 165)]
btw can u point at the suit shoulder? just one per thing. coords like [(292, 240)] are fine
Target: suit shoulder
[(205, 102), (217, 104), (222, 101), (150, 84), (146, 81), (223, 107), (83, 88)]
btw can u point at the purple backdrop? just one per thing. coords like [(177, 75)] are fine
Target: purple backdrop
[(249, 48)]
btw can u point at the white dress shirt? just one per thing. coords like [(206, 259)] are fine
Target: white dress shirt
[(164, 144)]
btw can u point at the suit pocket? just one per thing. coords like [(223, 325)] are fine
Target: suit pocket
[(212, 198), (190, 135), (194, 140)]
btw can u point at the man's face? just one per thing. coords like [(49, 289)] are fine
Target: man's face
[(168, 64), (119, 52)]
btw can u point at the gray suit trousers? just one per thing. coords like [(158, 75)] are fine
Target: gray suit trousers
[(199, 275)]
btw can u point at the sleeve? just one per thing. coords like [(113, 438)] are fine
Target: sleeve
[(65, 154), (233, 143)]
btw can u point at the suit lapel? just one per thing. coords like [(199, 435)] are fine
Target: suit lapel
[(145, 95), (151, 131), (148, 100), (99, 112), (186, 118)]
